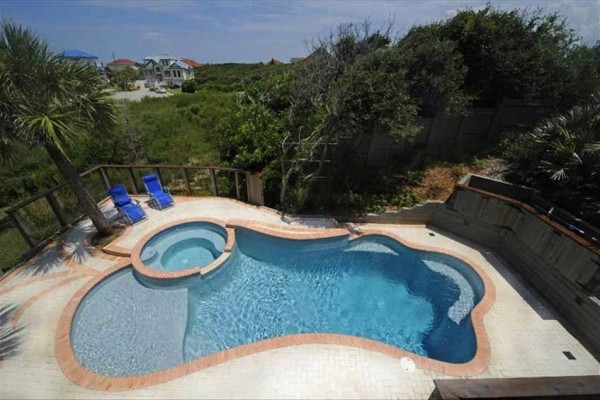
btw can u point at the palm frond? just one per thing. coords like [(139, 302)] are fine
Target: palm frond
[(46, 98), (11, 337)]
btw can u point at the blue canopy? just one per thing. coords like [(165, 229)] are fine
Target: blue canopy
[(74, 53)]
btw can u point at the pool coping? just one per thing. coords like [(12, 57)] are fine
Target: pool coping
[(142, 269), (93, 381)]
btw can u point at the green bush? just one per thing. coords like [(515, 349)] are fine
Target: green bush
[(188, 86), (406, 199), (233, 77), (12, 243), (561, 158), (519, 53)]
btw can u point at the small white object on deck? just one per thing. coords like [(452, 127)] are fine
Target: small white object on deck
[(407, 364)]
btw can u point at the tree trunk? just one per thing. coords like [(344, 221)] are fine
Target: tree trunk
[(285, 177), (85, 202), (282, 193)]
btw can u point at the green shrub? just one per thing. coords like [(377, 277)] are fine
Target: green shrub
[(233, 77), (12, 243), (406, 199), (188, 86)]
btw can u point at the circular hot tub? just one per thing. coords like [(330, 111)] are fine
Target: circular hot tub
[(184, 246)]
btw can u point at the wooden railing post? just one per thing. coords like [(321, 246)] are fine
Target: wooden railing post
[(237, 185), (186, 180), (157, 170), (134, 184), (255, 189), (23, 228), (105, 178), (56, 209), (213, 182), (248, 186)]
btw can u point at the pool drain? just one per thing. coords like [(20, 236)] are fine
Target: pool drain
[(407, 364)]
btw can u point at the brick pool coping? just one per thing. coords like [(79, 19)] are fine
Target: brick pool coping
[(115, 249), (140, 267), (90, 380)]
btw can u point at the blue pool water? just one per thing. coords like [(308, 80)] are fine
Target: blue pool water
[(194, 244), (373, 287)]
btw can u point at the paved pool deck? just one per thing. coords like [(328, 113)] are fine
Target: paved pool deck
[(525, 338)]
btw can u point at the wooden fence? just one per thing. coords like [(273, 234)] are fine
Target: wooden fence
[(463, 134)]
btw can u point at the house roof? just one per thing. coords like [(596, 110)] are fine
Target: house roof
[(191, 62), (122, 61), (273, 61), (180, 64), (158, 57), (74, 53)]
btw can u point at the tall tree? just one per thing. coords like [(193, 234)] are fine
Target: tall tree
[(517, 53), (46, 102), (435, 71)]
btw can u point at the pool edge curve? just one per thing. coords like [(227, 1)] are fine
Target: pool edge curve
[(78, 374)]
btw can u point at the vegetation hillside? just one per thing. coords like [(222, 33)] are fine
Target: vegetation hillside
[(360, 81), (232, 77)]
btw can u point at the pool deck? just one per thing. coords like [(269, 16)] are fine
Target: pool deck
[(525, 338)]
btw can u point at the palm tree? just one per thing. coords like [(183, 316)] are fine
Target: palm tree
[(47, 101), (570, 145)]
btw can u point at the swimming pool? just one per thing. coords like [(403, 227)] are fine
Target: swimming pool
[(184, 246), (372, 287)]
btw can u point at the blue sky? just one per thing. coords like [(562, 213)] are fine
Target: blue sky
[(236, 30)]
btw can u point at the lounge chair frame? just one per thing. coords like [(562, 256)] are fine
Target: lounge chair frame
[(153, 201)]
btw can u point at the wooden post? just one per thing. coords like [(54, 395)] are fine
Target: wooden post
[(157, 170), (458, 133), (248, 186), (134, 184), (432, 137), (237, 185), (213, 182), (255, 189), (186, 179), (58, 211), (23, 228), (493, 122), (105, 178), (432, 131)]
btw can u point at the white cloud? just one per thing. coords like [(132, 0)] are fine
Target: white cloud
[(152, 35), (255, 30)]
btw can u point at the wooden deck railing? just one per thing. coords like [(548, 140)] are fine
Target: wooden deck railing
[(558, 387), (43, 215)]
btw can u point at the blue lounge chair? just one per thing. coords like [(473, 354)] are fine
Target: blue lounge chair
[(159, 197), (127, 208)]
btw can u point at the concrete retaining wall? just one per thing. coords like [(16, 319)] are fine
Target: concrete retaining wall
[(562, 267), (421, 214)]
